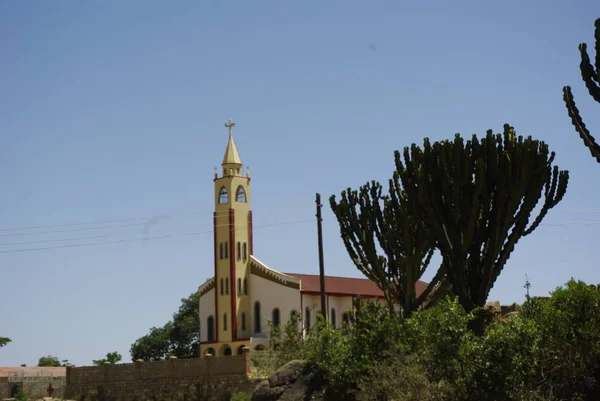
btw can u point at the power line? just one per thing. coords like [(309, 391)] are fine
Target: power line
[(145, 238), (159, 216), (97, 236)]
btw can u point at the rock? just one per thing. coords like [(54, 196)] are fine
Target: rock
[(492, 308), (296, 380)]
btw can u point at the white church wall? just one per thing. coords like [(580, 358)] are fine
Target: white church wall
[(272, 295), (341, 304), (207, 308)]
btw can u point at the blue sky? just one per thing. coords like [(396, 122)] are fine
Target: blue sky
[(112, 110)]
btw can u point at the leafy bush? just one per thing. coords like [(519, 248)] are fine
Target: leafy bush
[(550, 350), (569, 332), (240, 396), (20, 394)]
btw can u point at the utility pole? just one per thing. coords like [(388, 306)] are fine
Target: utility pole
[(321, 267)]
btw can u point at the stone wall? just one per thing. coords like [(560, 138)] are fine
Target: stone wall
[(169, 380), (34, 387)]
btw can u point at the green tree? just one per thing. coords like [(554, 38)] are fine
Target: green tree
[(387, 243), (49, 361), (591, 77), (476, 200), (4, 341), (179, 337), (112, 357)]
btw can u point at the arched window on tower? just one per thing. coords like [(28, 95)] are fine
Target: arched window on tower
[(245, 286), (239, 286), (227, 285), (221, 251), (222, 287), (257, 317), (223, 198), (240, 195), (239, 250), (275, 317), (225, 321), (245, 251), (210, 327), (226, 250)]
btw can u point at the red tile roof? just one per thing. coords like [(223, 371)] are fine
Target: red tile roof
[(33, 371), (344, 285)]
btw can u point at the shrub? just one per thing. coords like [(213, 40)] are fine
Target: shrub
[(569, 329)]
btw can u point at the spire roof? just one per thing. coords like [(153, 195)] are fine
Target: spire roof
[(231, 153)]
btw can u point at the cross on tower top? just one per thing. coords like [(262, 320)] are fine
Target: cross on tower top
[(230, 125)]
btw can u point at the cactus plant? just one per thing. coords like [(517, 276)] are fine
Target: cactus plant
[(387, 244), (476, 200), (591, 76)]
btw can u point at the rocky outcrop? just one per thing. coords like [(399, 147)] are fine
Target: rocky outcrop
[(493, 310), (296, 380)]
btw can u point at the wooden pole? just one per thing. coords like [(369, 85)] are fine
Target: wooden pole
[(321, 264)]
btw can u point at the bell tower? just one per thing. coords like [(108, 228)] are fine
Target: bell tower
[(232, 246)]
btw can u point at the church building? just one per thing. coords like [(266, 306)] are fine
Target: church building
[(244, 294)]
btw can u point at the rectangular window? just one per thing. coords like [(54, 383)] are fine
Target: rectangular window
[(245, 252), (239, 286), (221, 286), (239, 251), (221, 250), (227, 286), (245, 286), (226, 250), (224, 321)]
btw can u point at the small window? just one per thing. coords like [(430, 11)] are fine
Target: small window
[(223, 198), (225, 321), (226, 250), (221, 251), (227, 285), (222, 287), (239, 286), (307, 318), (210, 327), (245, 286), (240, 195), (275, 317), (257, 317), (333, 317), (245, 252), (239, 250), (243, 321)]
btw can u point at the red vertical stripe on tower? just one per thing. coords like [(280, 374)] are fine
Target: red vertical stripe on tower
[(250, 242), (216, 287), (232, 257)]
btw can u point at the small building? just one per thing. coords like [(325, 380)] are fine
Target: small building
[(236, 304), (34, 381)]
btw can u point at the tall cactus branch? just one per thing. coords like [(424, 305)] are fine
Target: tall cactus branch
[(591, 77), (387, 244), (476, 200)]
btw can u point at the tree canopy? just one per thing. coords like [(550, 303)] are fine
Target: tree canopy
[(472, 200), (179, 337), (387, 243), (591, 77), (111, 357), (476, 199), (4, 341), (49, 360)]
